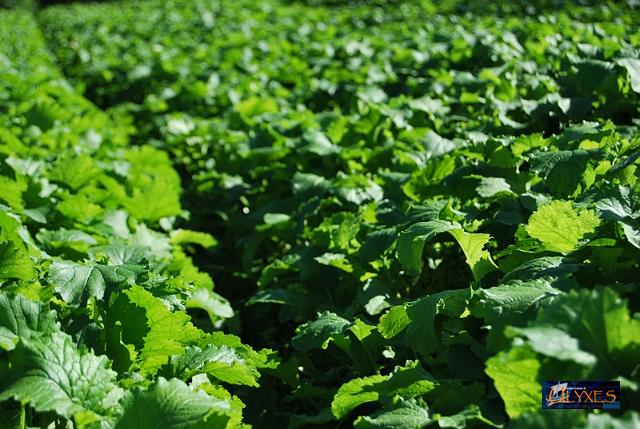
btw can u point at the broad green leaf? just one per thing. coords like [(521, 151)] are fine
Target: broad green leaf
[(563, 347), (561, 227), (151, 327), (601, 322), (75, 171), (515, 375), (514, 297), (478, 259), (623, 208), (50, 374), (158, 244), (409, 381), (115, 222), (171, 404), (563, 171), (20, 318), (471, 415), (185, 236), (633, 69), (436, 145), (491, 186), (222, 362), (318, 143), (76, 283), (254, 106), (121, 254), (336, 260), (318, 333), (216, 306), (546, 266), (80, 207), (558, 419), (12, 192), (152, 199), (66, 238), (357, 189), (417, 319), (15, 262), (570, 419), (622, 205), (412, 240), (407, 416), (630, 420), (8, 339)]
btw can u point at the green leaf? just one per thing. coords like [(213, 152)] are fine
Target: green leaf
[(570, 419), (151, 327), (478, 259), (436, 145), (76, 283), (407, 416), (185, 236), (170, 404), (630, 420), (153, 199), (66, 238), (158, 244), (8, 339), (216, 306), (633, 69), (318, 143), (318, 333), (15, 262), (254, 106), (20, 318), (417, 319), (336, 260), (121, 254), (469, 417), (492, 186), (412, 240), (601, 322), (515, 375), (357, 189), (622, 205), (560, 227), (558, 419), (514, 297), (74, 171), (546, 266), (563, 171), (409, 381), (563, 347), (624, 208), (222, 362), (50, 374), (12, 192)]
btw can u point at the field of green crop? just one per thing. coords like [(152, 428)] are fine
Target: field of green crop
[(317, 214)]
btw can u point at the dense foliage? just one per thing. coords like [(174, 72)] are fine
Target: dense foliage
[(413, 212)]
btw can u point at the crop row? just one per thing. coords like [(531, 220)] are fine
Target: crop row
[(96, 276)]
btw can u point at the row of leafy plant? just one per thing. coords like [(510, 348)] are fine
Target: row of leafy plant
[(98, 287), (409, 206)]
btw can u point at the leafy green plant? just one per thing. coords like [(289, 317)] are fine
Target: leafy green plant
[(413, 214)]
